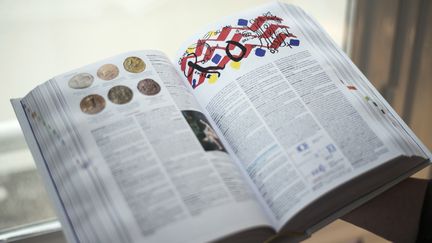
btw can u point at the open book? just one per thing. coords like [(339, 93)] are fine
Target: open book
[(261, 128)]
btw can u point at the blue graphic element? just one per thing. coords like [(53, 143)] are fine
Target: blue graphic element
[(260, 52), (193, 83), (320, 169), (242, 22), (331, 148), (302, 147), (216, 58), (294, 42)]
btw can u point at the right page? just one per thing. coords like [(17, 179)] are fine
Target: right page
[(299, 117)]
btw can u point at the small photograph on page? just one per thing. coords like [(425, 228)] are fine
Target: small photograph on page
[(203, 131)]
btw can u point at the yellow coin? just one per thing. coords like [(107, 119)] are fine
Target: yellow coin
[(134, 64)]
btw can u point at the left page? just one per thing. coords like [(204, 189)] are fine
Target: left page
[(121, 146)]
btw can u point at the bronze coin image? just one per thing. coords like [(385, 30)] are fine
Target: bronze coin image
[(81, 81), (120, 94), (92, 104), (134, 64), (148, 87), (108, 72)]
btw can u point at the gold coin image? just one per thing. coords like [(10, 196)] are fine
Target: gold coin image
[(134, 64), (92, 104), (148, 86), (81, 81), (120, 94), (108, 72)]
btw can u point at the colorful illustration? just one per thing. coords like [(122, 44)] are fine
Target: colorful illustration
[(205, 59)]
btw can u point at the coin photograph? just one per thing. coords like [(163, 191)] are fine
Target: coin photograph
[(148, 87), (92, 104), (120, 94), (81, 81), (108, 72), (134, 64)]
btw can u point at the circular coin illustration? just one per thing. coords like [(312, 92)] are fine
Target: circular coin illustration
[(134, 64), (108, 72), (92, 104), (120, 94), (81, 81), (148, 86)]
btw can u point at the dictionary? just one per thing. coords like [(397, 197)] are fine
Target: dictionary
[(260, 129)]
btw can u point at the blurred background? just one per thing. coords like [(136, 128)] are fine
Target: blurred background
[(389, 40)]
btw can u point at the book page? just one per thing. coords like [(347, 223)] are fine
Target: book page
[(133, 159), (297, 114)]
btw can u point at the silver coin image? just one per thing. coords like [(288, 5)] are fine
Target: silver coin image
[(108, 72), (92, 104), (148, 86), (120, 94), (81, 81)]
